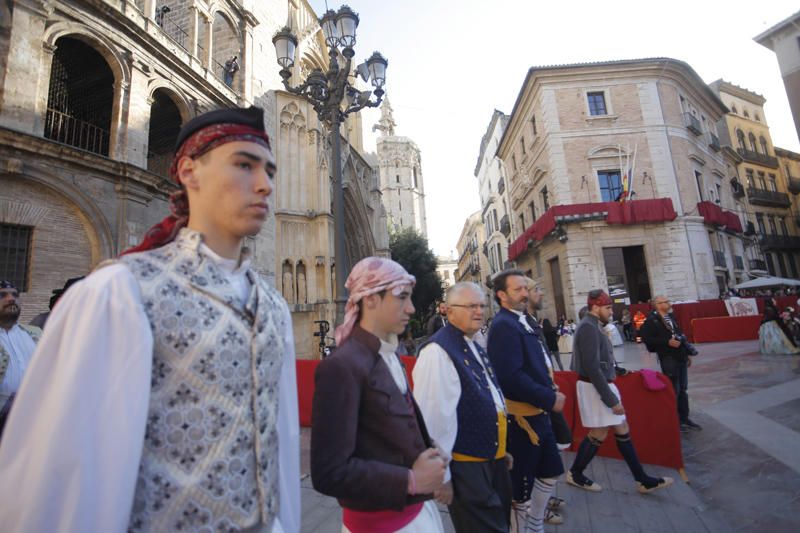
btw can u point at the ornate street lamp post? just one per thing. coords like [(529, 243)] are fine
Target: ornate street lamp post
[(334, 98)]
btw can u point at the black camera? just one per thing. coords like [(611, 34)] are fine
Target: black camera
[(688, 346)]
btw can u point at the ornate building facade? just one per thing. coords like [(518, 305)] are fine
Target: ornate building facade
[(92, 96), (764, 190), (574, 134), (472, 262), (491, 176), (400, 176), (784, 39)]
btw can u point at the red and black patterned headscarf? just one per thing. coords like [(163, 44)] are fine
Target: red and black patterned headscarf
[(197, 137)]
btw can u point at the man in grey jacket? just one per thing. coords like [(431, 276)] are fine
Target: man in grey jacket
[(599, 401)]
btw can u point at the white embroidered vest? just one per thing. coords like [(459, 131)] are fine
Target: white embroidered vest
[(210, 457)]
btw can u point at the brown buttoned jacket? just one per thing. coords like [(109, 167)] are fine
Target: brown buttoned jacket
[(365, 437)]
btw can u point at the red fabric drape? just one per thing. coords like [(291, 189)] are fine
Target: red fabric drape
[(632, 212), (641, 211), (652, 415), (653, 419), (726, 328), (716, 216)]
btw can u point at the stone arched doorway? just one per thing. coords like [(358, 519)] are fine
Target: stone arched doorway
[(80, 97), (62, 244), (165, 123)]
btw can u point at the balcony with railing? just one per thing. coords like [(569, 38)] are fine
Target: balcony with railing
[(719, 259), (779, 242), (73, 131), (736, 188), (738, 262), (505, 226), (755, 157), (794, 184), (501, 186), (713, 142), (692, 123), (758, 264), (768, 198)]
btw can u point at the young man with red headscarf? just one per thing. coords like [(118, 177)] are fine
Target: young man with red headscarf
[(162, 396), (599, 401), (369, 445)]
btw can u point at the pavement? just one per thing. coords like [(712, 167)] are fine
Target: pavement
[(743, 467)]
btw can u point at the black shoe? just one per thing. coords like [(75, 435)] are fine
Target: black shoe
[(684, 427), (653, 484), (692, 425)]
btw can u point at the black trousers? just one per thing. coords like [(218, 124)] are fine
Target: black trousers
[(481, 497), (678, 372)]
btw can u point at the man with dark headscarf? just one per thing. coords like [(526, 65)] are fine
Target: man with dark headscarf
[(163, 396)]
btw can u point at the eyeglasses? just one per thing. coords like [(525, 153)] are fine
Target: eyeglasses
[(471, 307)]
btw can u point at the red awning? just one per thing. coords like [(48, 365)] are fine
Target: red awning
[(631, 212), (714, 215)]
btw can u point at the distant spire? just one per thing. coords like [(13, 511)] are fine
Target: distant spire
[(386, 124)]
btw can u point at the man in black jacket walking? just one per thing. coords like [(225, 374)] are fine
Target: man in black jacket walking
[(662, 335)]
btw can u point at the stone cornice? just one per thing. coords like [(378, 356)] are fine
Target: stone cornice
[(37, 149)]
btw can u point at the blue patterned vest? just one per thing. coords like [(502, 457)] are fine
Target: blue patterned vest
[(476, 411), (210, 456)]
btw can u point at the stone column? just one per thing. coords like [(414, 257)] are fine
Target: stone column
[(138, 123), (118, 137), (207, 60), (244, 79), (193, 25), (150, 9), (21, 107)]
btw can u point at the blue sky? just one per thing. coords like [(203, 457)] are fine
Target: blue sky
[(452, 63)]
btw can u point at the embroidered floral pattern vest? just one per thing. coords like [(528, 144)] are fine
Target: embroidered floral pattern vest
[(210, 457)]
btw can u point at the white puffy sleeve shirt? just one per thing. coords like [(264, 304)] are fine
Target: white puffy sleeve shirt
[(71, 449)]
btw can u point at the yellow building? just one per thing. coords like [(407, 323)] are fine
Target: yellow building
[(764, 180)]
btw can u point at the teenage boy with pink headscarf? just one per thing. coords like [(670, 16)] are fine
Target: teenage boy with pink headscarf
[(369, 445)]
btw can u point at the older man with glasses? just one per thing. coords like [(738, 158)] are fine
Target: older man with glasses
[(453, 376)]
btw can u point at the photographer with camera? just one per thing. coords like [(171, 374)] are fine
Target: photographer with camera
[(662, 335)]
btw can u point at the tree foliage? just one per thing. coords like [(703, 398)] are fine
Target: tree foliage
[(411, 250)]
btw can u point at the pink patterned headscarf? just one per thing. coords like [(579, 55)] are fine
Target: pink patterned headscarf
[(370, 275)]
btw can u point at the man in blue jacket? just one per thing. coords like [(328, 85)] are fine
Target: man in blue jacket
[(530, 394)]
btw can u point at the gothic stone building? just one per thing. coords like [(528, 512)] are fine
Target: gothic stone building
[(400, 176), (92, 96)]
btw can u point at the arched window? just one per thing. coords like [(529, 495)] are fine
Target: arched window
[(80, 97), (752, 139), (302, 287), (763, 142), (734, 110), (746, 114), (225, 48), (740, 139), (288, 282), (758, 118), (165, 123)]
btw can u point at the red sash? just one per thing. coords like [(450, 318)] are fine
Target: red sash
[(380, 521)]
